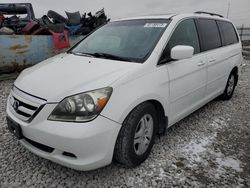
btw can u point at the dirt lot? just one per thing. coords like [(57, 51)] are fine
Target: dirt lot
[(210, 148)]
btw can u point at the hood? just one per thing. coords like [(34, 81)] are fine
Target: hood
[(68, 74)]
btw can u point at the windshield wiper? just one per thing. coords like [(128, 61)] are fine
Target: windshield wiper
[(110, 56), (82, 54), (101, 55)]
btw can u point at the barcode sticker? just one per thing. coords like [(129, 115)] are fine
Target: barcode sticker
[(155, 25)]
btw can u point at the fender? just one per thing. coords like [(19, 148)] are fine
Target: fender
[(125, 97)]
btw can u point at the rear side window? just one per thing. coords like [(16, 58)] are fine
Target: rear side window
[(209, 33), (228, 33)]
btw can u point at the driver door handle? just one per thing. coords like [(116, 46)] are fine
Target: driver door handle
[(201, 63), (211, 59)]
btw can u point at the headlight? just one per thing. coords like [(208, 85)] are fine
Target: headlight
[(81, 107)]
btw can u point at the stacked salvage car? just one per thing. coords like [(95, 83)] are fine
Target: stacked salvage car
[(14, 17), (19, 19), (75, 23)]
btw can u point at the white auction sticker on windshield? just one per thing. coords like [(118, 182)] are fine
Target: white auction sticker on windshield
[(155, 25)]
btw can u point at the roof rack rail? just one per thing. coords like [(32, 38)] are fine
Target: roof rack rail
[(210, 13)]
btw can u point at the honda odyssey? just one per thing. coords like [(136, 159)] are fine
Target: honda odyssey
[(108, 96)]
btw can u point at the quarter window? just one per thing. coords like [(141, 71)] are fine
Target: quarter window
[(209, 32), (228, 33)]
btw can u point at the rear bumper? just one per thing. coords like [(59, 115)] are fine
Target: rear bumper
[(90, 144)]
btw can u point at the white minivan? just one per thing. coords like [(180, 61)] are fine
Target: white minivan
[(108, 96)]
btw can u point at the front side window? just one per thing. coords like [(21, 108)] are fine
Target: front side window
[(131, 40), (228, 33), (184, 34), (209, 33)]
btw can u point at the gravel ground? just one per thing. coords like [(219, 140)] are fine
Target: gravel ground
[(210, 148)]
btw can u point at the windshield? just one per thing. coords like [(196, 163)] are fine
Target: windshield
[(131, 40)]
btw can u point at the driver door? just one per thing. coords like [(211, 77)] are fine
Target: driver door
[(187, 77)]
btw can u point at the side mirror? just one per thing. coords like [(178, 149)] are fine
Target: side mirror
[(182, 52)]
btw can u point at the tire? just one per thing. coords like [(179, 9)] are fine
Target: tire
[(57, 18), (130, 149), (230, 87)]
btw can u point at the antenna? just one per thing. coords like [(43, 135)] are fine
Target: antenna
[(229, 5)]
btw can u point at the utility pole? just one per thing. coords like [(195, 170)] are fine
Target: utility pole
[(229, 5), (241, 32)]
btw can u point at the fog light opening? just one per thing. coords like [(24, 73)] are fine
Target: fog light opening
[(69, 154)]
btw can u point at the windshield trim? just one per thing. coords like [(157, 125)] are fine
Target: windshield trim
[(142, 60)]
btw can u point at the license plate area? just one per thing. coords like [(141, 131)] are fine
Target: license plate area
[(14, 128)]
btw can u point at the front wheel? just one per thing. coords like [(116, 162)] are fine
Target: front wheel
[(230, 87), (136, 137)]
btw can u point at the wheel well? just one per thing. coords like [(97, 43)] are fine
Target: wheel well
[(163, 120), (235, 72)]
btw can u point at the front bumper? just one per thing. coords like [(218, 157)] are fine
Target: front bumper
[(91, 144)]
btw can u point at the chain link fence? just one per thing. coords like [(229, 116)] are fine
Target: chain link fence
[(244, 33)]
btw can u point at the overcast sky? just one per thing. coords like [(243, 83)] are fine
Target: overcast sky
[(239, 11)]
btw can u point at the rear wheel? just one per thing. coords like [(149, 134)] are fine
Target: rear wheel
[(136, 137), (230, 87)]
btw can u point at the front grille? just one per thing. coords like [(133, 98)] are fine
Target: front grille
[(23, 105)]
